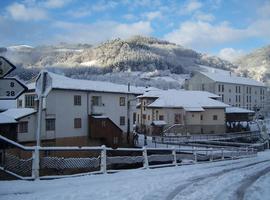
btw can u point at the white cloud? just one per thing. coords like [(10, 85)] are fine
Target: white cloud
[(202, 34), (102, 6), (191, 6), (56, 3), (152, 15), (230, 54), (20, 12), (129, 17), (204, 16), (100, 31)]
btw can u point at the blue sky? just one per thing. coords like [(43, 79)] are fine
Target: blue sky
[(227, 28)]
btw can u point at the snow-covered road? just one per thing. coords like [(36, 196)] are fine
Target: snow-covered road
[(237, 179)]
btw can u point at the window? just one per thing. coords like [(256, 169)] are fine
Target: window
[(177, 119), (144, 116), (201, 117), (222, 88), (148, 117), (103, 124), (19, 103), (122, 101), (30, 101), (77, 123), (96, 100), (134, 118), (203, 87), (77, 100), (215, 117), (23, 127), (156, 114), (50, 124), (115, 140), (122, 120), (161, 117)]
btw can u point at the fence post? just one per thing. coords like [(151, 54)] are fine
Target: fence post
[(211, 154), (174, 157), (145, 160), (267, 144), (195, 155), (222, 154), (103, 159), (247, 151), (35, 163)]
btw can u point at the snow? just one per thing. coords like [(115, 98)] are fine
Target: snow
[(62, 82), (228, 77), (6, 104), (190, 100), (89, 63), (237, 110), (4, 119), (17, 113), (217, 180), (20, 47), (100, 117), (159, 123)]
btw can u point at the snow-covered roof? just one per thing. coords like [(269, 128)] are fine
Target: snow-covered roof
[(99, 116), (155, 93), (228, 77), (4, 119), (17, 113), (189, 100), (63, 82), (231, 110), (6, 104), (194, 109), (159, 123)]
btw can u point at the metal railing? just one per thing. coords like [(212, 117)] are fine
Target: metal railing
[(56, 162), (205, 137)]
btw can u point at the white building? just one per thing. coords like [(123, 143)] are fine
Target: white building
[(233, 90), (197, 111), (68, 106)]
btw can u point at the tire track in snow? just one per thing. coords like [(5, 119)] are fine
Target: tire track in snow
[(241, 190), (181, 187)]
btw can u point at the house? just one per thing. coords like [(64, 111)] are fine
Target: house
[(234, 90), (236, 116), (195, 111), (68, 108)]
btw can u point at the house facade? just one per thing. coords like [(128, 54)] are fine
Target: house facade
[(236, 91), (194, 112), (68, 106)]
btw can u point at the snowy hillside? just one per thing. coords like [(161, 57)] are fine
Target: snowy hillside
[(236, 179), (256, 64), (142, 61)]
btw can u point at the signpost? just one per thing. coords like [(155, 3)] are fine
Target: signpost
[(10, 88), (5, 67)]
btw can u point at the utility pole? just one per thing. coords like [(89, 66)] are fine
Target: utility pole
[(128, 115)]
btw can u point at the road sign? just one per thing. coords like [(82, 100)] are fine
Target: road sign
[(11, 88), (43, 84), (5, 67)]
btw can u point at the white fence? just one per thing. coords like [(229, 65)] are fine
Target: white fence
[(55, 162)]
